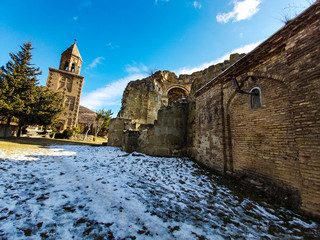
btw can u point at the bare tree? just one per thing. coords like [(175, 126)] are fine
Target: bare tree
[(292, 10), (102, 121), (88, 130)]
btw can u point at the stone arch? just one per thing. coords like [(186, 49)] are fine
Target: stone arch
[(176, 92), (256, 98), (177, 86), (73, 67), (66, 65)]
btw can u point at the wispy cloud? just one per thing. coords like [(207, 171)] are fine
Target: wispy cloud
[(197, 5), (110, 94), (112, 46), (156, 1), (189, 70), (242, 10), (85, 4), (75, 18), (95, 62), (137, 68)]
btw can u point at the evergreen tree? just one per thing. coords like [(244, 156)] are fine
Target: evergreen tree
[(44, 109), (20, 96)]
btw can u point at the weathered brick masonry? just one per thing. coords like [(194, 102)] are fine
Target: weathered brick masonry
[(278, 142)]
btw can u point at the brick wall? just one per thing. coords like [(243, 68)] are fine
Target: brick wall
[(279, 142)]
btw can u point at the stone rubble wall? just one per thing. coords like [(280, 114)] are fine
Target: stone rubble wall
[(168, 136), (117, 126), (80, 137), (140, 102)]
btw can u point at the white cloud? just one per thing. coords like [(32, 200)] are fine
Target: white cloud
[(136, 68), (196, 4), (95, 62), (189, 70), (110, 94), (242, 10)]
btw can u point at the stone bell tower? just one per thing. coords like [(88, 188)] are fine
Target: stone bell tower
[(68, 82)]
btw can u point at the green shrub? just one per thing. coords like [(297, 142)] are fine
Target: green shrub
[(60, 136), (67, 133)]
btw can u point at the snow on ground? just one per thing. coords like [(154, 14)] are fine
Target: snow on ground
[(84, 192)]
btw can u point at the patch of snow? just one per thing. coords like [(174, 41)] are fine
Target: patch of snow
[(81, 192)]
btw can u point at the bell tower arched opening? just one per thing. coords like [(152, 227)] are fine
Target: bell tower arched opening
[(71, 60)]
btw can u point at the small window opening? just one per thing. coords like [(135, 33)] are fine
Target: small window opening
[(66, 65), (72, 67), (255, 98)]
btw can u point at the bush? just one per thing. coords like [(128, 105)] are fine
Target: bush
[(59, 136), (67, 133)]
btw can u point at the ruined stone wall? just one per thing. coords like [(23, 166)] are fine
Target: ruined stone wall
[(209, 135), (140, 101), (200, 79), (130, 140), (278, 142), (143, 98), (167, 137), (116, 130)]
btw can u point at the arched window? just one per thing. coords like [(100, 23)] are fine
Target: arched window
[(72, 67), (66, 65), (255, 98)]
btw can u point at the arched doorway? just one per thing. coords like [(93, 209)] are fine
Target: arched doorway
[(176, 93)]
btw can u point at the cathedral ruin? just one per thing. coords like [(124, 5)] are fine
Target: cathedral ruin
[(255, 116)]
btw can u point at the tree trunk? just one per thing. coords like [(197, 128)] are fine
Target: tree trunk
[(7, 128), (97, 131), (19, 130), (85, 136)]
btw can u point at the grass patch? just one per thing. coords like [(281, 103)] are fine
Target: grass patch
[(34, 143)]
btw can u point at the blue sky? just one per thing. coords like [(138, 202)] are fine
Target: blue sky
[(123, 40)]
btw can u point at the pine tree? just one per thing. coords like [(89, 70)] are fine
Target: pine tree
[(20, 96), (44, 109)]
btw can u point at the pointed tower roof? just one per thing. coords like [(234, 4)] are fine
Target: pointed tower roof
[(72, 50)]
